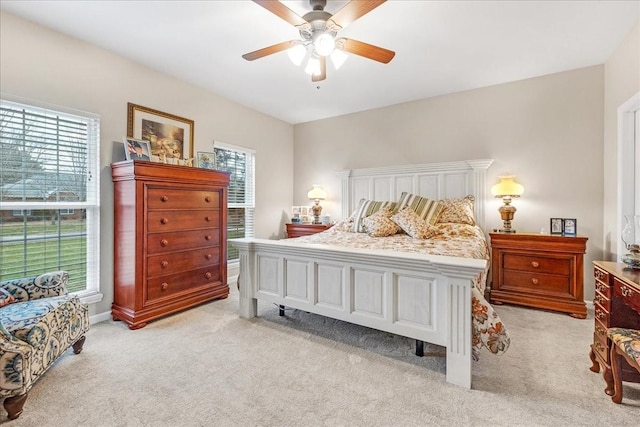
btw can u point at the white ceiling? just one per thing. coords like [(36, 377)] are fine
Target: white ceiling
[(441, 46)]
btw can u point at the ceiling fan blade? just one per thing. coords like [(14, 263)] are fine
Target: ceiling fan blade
[(257, 54), (282, 11), (354, 10), (323, 70), (367, 50)]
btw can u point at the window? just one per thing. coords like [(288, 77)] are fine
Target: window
[(49, 195), (241, 204)]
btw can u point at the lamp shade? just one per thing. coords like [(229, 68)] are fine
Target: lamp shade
[(317, 193), (507, 187)]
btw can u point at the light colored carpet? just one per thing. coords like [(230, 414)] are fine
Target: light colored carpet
[(208, 367)]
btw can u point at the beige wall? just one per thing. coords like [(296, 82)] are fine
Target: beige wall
[(546, 130), (621, 82), (46, 66)]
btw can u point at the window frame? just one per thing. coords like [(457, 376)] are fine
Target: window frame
[(250, 191), (91, 205)]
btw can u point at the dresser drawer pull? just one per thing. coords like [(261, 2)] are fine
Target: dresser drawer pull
[(208, 275), (535, 281), (599, 274), (600, 287), (208, 256), (164, 198), (627, 292), (164, 220), (208, 237), (164, 286), (600, 330), (600, 314), (598, 299), (535, 264), (207, 218), (599, 346), (164, 242), (207, 199), (164, 264)]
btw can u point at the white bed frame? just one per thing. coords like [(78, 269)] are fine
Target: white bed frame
[(424, 297)]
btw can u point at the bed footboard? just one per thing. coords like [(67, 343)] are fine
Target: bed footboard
[(424, 297)]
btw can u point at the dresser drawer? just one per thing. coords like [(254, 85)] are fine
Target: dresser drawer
[(182, 220), (602, 301), (600, 275), (535, 282), (630, 295), (174, 262), (166, 286), (601, 315), (179, 240), (535, 263), (601, 347), (603, 289), (165, 198)]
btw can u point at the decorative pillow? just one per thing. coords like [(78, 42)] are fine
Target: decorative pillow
[(458, 210), (413, 225), (427, 209), (5, 297), (379, 224), (366, 208)]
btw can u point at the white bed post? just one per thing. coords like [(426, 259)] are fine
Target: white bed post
[(346, 194), (248, 306), (479, 183), (459, 333)]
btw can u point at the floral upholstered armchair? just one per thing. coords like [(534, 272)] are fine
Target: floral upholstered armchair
[(39, 321)]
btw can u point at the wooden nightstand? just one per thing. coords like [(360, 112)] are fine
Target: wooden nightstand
[(539, 270), (298, 230)]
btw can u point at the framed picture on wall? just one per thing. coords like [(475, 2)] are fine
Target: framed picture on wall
[(556, 226), (169, 136), (569, 226)]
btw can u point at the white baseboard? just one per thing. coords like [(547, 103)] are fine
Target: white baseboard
[(101, 317)]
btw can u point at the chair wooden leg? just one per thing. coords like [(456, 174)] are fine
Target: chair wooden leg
[(14, 405), (77, 346), (616, 371)]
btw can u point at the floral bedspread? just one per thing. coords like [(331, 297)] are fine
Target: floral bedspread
[(459, 240)]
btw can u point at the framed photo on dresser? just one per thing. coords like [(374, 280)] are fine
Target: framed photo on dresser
[(556, 226), (569, 226)]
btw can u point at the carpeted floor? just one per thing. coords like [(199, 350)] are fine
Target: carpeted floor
[(208, 367)]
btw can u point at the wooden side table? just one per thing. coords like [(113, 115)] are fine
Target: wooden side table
[(539, 270), (298, 230)]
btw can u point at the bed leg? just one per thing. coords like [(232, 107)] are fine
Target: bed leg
[(281, 312), (419, 348)]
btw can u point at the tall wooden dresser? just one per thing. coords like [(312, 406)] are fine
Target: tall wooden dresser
[(170, 239)]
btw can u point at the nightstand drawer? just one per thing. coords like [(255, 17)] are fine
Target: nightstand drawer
[(536, 264), (535, 282)]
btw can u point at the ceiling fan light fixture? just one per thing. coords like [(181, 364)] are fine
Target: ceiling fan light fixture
[(338, 58), (324, 43), (297, 53), (313, 66)]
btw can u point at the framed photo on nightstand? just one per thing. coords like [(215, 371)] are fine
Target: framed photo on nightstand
[(569, 226)]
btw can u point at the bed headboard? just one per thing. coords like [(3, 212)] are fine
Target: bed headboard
[(447, 180)]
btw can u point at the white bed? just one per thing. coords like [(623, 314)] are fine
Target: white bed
[(420, 296)]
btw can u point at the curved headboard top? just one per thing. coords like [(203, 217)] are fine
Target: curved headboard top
[(444, 180)]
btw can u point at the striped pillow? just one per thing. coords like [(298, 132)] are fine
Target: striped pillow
[(427, 209), (366, 208)]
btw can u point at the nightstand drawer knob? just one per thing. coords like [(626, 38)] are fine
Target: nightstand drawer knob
[(207, 218), (164, 220), (535, 264), (164, 286), (164, 242), (208, 275), (208, 256), (164, 198), (164, 264), (208, 237), (207, 199), (535, 281)]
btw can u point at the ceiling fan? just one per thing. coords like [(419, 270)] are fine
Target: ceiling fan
[(318, 30)]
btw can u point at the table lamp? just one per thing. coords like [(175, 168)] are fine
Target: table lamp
[(506, 189), (316, 194)]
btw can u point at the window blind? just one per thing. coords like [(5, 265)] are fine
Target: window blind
[(240, 162), (49, 194)]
